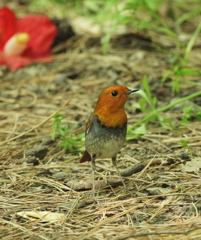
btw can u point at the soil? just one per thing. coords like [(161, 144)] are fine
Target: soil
[(163, 178)]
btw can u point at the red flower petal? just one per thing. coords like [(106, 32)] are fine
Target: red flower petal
[(42, 33), (7, 25), (17, 62)]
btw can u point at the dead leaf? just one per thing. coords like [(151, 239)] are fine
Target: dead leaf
[(45, 216)]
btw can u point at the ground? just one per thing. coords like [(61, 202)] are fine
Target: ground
[(163, 199)]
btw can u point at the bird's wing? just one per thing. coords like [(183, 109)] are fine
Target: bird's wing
[(92, 126), (92, 123), (88, 124)]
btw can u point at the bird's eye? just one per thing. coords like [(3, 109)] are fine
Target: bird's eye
[(114, 93)]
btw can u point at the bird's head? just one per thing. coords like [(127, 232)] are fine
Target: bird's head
[(114, 98), (110, 105)]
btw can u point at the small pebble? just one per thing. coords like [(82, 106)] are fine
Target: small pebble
[(60, 175)]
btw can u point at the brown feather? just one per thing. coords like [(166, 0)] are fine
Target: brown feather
[(85, 157)]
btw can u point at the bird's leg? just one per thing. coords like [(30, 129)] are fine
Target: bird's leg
[(93, 167), (115, 165)]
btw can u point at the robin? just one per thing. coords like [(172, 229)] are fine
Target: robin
[(106, 128)]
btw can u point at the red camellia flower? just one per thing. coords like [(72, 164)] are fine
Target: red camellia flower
[(25, 40)]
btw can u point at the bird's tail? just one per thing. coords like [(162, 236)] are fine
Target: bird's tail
[(85, 157)]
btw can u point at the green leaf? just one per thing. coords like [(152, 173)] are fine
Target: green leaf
[(167, 120), (140, 130), (187, 71), (183, 143), (153, 5), (137, 132)]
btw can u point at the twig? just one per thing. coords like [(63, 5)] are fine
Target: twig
[(138, 167), (184, 232)]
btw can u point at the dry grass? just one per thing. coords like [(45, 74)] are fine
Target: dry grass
[(164, 199)]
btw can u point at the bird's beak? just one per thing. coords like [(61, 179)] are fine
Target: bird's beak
[(131, 91)]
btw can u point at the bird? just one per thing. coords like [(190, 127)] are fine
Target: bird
[(106, 128)]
